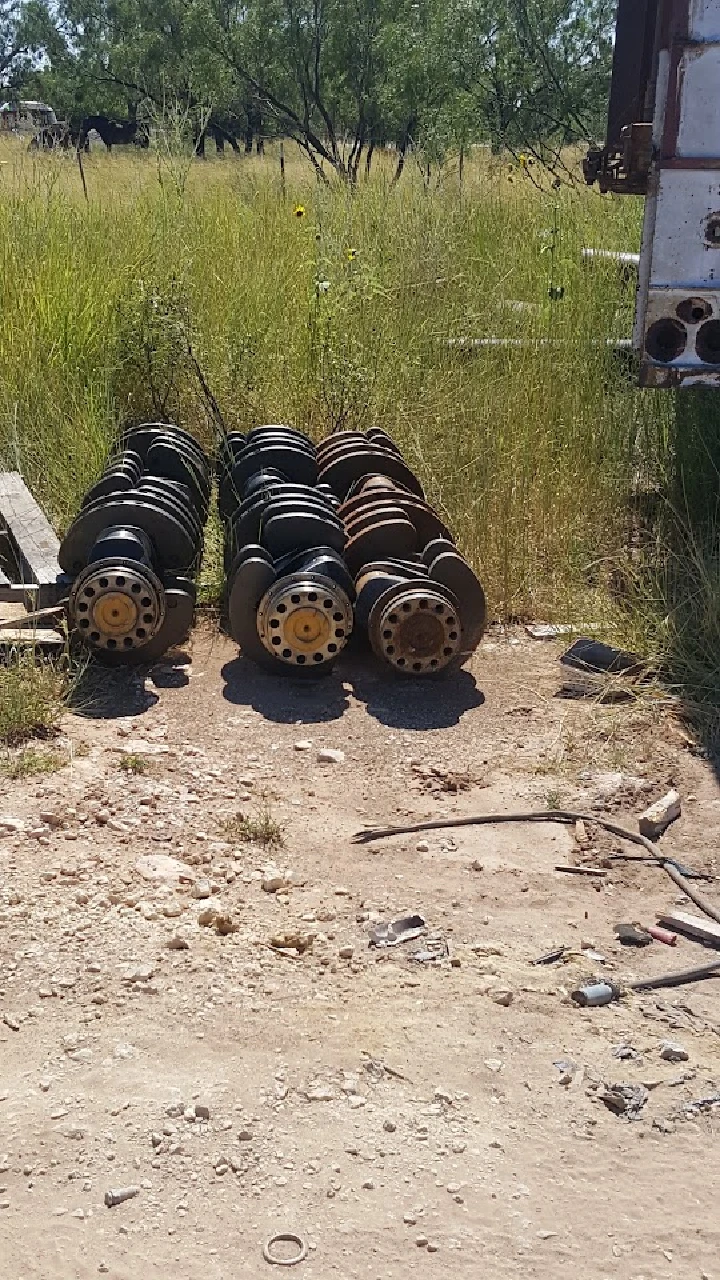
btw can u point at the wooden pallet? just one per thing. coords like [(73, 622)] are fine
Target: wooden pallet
[(31, 571)]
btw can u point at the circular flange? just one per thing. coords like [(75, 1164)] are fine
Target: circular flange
[(416, 628), (288, 1237), (116, 606), (304, 620)]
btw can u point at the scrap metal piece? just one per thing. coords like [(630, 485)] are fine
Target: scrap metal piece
[(403, 930)]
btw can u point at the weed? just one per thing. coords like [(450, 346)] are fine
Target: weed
[(260, 827), (133, 764), (32, 696), (15, 765)]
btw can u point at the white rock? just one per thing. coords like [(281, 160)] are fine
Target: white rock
[(159, 866), (202, 889), (11, 826), (303, 745), (329, 755), (654, 820)]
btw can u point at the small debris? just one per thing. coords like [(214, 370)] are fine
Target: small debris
[(551, 957), (202, 1112), (593, 994), (581, 836), (201, 889), (402, 930), (662, 935), (624, 1051), (300, 942), (631, 935), (118, 1194), (625, 1099), (672, 1052), (346, 953), (330, 755), (593, 655), (502, 996), (659, 815), (225, 925), (176, 943)]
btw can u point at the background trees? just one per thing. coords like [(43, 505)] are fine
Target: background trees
[(341, 77)]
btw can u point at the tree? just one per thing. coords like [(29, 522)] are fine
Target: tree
[(25, 30)]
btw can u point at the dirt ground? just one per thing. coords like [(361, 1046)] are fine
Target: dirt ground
[(432, 1109)]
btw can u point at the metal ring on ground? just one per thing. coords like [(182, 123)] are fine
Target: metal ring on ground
[(291, 1238), (116, 607), (416, 628), (304, 621)]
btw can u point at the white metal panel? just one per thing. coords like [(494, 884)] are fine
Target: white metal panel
[(699, 85), (704, 20), (681, 255)]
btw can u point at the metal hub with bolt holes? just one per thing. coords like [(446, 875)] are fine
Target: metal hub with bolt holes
[(117, 607), (417, 630), (304, 621)]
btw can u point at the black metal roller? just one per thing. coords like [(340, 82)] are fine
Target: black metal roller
[(133, 544)]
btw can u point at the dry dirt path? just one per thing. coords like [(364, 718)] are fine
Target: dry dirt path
[(407, 1117)]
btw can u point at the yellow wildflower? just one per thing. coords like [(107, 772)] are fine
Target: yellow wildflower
[(299, 211), (351, 254)]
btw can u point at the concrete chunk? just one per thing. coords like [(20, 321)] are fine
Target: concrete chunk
[(659, 815)]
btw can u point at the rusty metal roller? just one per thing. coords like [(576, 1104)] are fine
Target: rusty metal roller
[(419, 601), (289, 592)]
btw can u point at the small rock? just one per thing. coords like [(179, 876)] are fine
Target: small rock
[(176, 943), (409, 1219), (245, 1136), (476, 865), (671, 1052), (368, 1185), (389, 1126), (493, 1064), (159, 866), (225, 925), (502, 996), (207, 917), (432, 1247), (273, 884), (303, 745), (664, 1126), (421, 1242), (202, 1111), (329, 755), (11, 826), (346, 953), (201, 889), (422, 847)]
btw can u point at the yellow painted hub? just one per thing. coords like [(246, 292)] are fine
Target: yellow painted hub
[(115, 613), (306, 628)]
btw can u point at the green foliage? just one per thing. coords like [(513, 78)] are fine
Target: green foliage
[(32, 695), (342, 77)]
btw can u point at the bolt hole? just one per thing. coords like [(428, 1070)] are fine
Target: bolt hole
[(693, 310), (332, 648), (104, 582), (327, 604), (120, 581), (312, 596), (287, 653), (112, 644), (401, 662), (84, 622), (317, 657), (390, 650), (300, 659), (274, 623), (295, 599), (128, 642), (337, 617), (275, 640), (136, 588), (141, 633), (282, 608)]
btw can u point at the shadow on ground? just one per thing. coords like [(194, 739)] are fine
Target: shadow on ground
[(114, 693), (283, 698), (404, 702), (398, 702)]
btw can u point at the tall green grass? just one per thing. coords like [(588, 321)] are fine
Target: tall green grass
[(325, 307)]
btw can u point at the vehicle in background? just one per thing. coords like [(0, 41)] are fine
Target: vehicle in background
[(26, 117)]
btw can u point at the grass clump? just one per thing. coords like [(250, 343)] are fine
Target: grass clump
[(259, 827), (16, 765), (32, 699), (132, 764)]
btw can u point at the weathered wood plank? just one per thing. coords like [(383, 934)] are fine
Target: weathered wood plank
[(33, 539), (693, 927)]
